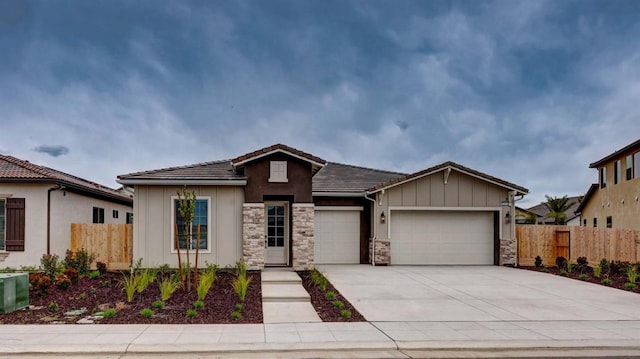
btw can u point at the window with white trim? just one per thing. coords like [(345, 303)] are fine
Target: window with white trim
[(3, 216), (636, 165), (200, 223), (98, 215), (603, 177), (617, 171), (278, 171), (629, 167)]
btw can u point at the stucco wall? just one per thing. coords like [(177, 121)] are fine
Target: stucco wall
[(298, 176), (152, 236)]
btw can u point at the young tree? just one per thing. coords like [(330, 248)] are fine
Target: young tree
[(557, 207), (187, 210)]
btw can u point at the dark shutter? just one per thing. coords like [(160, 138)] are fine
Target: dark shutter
[(15, 224)]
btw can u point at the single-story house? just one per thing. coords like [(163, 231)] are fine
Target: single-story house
[(38, 205), (573, 218), (279, 206)]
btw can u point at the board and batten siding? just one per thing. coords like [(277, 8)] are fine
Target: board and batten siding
[(152, 236), (461, 191)]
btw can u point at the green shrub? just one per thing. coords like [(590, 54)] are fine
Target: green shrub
[(53, 307), (129, 283), (80, 260), (605, 265), (630, 285), (167, 287), (239, 307), (240, 286), (145, 278), (345, 313), (241, 269), (338, 304), (606, 281), (583, 276), (198, 304), (569, 266), (94, 274), (205, 281), (146, 312), (544, 270), (236, 315), (191, 313), (564, 273), (109, 313), (158, 304), (632, 273), (330, 295), (319, 279), (51, 265), (597, 271)]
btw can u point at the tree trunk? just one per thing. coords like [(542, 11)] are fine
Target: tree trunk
[(179, 256)]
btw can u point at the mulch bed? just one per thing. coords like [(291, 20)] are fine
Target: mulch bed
[(324, 307), (106, 292), (618, 279)]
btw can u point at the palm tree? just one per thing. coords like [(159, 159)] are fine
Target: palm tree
[(557, 206)]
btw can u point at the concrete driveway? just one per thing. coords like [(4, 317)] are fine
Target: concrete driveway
[(476, 293)]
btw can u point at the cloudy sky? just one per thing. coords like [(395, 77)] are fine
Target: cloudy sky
[(528, 91)]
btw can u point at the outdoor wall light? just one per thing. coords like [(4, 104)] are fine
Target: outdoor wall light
[(507, 218), (383, 218)]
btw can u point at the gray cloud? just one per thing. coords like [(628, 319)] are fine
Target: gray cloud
[(52, 150)]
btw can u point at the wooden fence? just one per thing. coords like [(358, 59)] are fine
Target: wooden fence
[(110, 243), (549, 242)]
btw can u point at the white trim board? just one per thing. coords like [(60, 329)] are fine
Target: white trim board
[(340, 208)]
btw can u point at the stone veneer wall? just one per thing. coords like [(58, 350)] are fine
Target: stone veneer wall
[(303, 232), (508, 252), (382, 252), (253, 235)]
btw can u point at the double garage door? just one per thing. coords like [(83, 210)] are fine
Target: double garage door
[(337, 236), (441, 237)]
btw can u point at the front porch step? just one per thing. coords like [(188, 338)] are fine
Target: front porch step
[(280, 277), (284, 293)]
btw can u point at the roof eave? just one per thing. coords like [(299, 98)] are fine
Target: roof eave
[(278, 150), (615, 154), (337, 194), (182, 181)]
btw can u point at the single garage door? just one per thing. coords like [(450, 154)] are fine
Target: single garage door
[(441, 237), (337, 237)]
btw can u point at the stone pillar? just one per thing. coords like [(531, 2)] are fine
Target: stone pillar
[(303, 228), (382, 253), (508, 254), (253, 235)]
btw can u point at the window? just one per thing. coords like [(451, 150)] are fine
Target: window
[(629, 167), (278, 171), (129, 218), (3, 218), (595, 222), (609, 221), (201, 219), (115, 213), (603, 177), (617, 171), (636, 167), (585, 222), (98, 215)]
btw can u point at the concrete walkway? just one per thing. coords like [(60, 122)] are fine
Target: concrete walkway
[(284, 299)]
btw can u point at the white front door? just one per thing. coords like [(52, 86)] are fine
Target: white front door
[(276, 233)]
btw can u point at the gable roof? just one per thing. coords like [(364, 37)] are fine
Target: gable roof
[(541, 210), (211, 173), (341, 178), (587, 197), (452, 166), (317, 161), (15, 170), (630, 147)]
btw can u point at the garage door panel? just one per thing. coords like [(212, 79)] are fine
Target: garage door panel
[(441, 237), (337, 237)]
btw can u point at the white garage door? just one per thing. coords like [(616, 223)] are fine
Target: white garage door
[(434, 237), (337, 237)]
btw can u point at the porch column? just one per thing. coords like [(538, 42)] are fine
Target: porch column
[(253, 235), (303, 234)]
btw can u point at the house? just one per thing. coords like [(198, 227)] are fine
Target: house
[(614, 201), (279, 206), (573, 218), (38, 205)]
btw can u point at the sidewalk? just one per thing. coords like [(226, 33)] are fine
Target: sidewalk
[(397, 339)]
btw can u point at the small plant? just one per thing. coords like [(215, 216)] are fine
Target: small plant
[(583, 276), (605, 265), (205, 281), (51, 265), (544, 270), (129, 284), (82, 296), (62, 281), (345, 313), (240, 286), (53, 307), (538, 262), (330, 295), (101, 267), (569, 266), (236, 315), (582, 261), (191, 313), (606, 281), (109, 313), (241, 269), (319, 279), (561, 262), (40, 282), (630, 285), (632, 274), (105, 283), (239, 307), (120, 306), (338, 304), (198, 304), (146, 312), (167, 287), (72, 274), (94, 274), (564, 273), (145, 278), (619, 267), (158, 304), (597, 271)]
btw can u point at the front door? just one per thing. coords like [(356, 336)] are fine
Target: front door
[(277, 233)]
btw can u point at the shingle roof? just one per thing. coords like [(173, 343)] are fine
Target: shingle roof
[(541, 210), (627, 148), (338, 177), (443, 166), (277, 147), (13, 169), (215, 170)]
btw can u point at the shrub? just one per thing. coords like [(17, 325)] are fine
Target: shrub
[(240, 286), (102, 267), (198, 304), (597, 271), (72, 274), (236, 315), (51, 265), (561, 262), (158, 304), (319, 279), (618, 267), (53, 307), (544, 270), (582, 261), (241, 269), (109, 313), (40, 283), (630, 285), (94, 274), (92, 290), (564, 273), (583, 276), (105, 283), (146, 312), (205, 281), (145, 278), (167, 287), (538, 262), (632, 274), (191, 313), (129, 283), (345, 313), (62, 281), (605, 265), (338, 304), (569, 266), (330, 295), (80, 261), (606, 281), (239, 307)]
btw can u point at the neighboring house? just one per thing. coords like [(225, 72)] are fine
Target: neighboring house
[(279, 206), (38, 205), (573, 218), (524, 216), (614, 202)]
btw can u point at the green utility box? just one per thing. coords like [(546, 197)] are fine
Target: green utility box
[(14, 291)]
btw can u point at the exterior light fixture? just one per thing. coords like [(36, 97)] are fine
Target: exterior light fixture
[(507, 218), (383, 218)]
